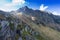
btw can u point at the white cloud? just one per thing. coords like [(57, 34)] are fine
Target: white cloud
[(55, 13), (43, 8), (18, 1), (14, 5)]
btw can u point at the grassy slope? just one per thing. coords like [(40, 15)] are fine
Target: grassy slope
[(46, 32)]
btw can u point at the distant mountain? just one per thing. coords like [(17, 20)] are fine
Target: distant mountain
[(4, 13), (42, 17)]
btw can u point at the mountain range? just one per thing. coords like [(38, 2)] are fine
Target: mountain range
[(41, 17), (46, 23)]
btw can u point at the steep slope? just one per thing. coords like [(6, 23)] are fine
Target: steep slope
[(46, 32), (45, 23), (44, 18)]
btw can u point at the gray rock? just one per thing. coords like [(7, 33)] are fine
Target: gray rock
[(20, 38)]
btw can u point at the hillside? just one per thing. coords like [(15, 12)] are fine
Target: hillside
[(44, 18), (29, 24)]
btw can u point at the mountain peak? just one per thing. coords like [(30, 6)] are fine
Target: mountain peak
[(25, 7)]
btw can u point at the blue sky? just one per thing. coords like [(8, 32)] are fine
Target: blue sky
[(51, 5)]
